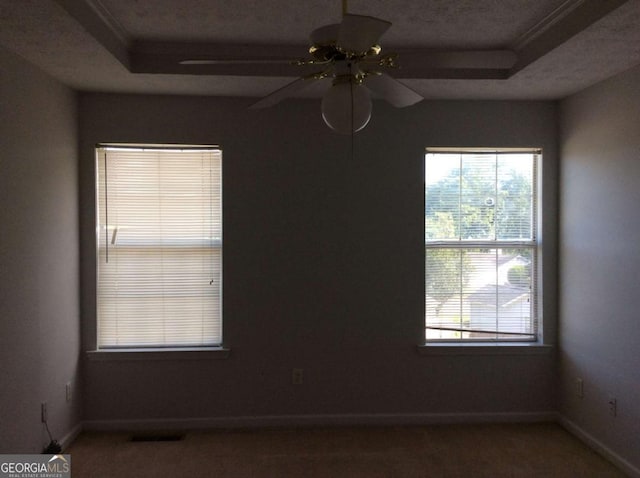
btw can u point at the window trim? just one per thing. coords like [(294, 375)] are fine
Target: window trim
[(484, 348), (140, 352), (153, 354), (536, 345)]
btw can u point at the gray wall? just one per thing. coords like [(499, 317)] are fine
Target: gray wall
[(323, 263), (600, 268), (39, 298)]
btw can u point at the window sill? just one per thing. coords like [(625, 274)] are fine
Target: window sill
[(204, 353), (498, 348)]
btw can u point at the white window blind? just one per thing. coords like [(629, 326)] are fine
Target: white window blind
[(480, 245), (159, 248)]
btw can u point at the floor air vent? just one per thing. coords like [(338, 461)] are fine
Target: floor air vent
[(156, 437)]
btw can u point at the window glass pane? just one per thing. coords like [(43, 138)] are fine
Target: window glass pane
[(447, 271), (442, 196), (477, 196), (514, 215), (479, 293)]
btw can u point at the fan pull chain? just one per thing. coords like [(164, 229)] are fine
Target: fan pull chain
[(106, 211), (352, 107)]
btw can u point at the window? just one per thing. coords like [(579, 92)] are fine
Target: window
[(159, 246), (480, 245)]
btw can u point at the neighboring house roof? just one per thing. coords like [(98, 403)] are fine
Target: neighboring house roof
[(482, 258), (506, 294)]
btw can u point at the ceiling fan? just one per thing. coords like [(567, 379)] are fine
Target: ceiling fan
[(350, 58)]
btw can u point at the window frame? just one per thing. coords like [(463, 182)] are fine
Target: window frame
[(157, 352), (482, 346)]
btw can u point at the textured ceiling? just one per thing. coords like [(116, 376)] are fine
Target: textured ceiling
[(441, 23), (46, 34)]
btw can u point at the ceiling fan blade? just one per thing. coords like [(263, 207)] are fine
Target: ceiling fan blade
[(358, 33), (392, 91), (325, 35), (286, 91)]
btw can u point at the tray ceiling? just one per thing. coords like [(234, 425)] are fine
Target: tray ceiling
[(559, 46)]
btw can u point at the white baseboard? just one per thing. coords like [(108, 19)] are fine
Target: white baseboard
[(278, 421), (66, 440), (599, 447)]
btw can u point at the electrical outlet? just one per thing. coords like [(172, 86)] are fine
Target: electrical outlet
[(613, 406), (297, 375), (43, 412), (68, 391), (579, 387)]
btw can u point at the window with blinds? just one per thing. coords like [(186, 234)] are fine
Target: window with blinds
[(480, 245), (159, 246)]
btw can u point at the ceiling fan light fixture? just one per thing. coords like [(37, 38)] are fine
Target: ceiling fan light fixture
[(374, 51), (346, 106)]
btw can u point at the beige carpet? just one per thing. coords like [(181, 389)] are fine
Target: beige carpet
[(531, 450)]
